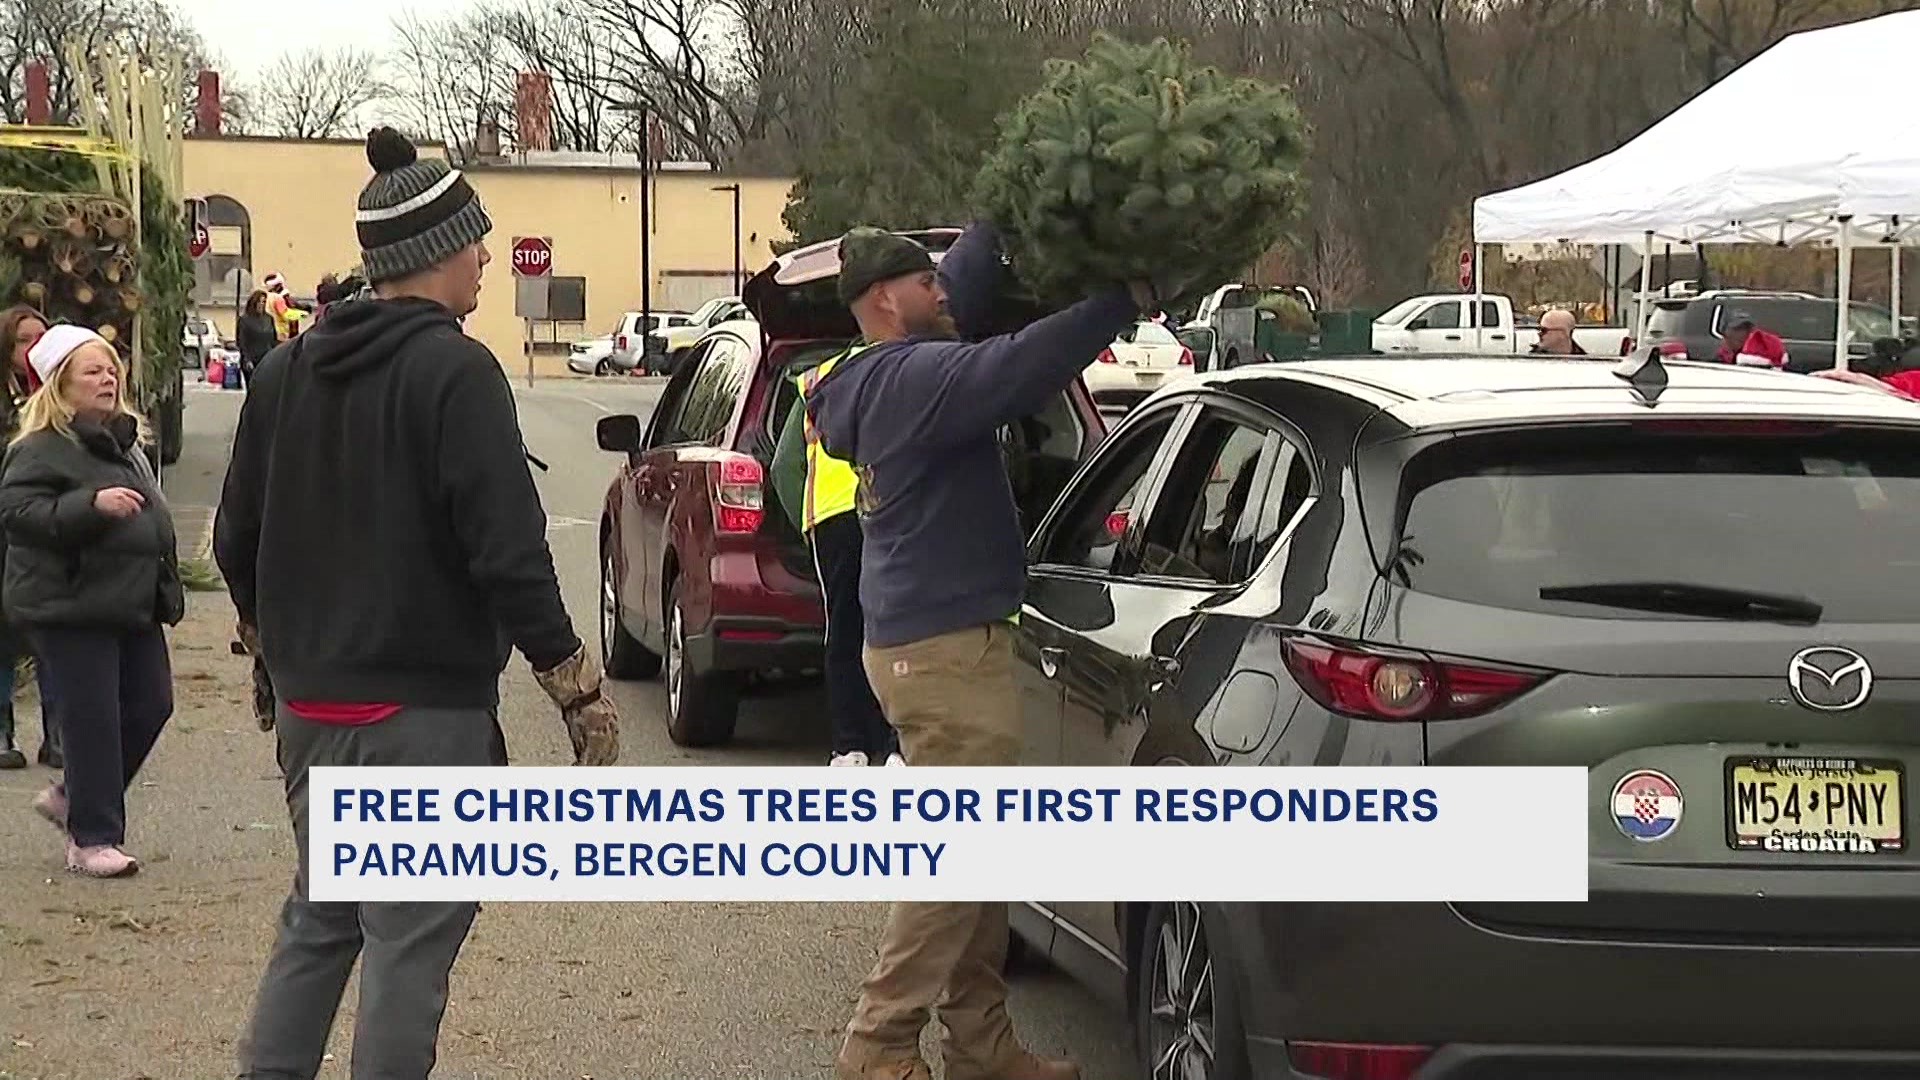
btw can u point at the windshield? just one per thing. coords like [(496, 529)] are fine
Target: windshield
[(1831, 518), (1148, 333), (1398, 312), (705, 312)]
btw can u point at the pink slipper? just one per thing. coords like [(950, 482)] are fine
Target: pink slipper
[(104, 861), (52, 805)]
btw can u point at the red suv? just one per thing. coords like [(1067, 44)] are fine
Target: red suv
[(702, 573)]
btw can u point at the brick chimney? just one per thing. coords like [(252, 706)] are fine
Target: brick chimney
[(533, 111), (206, 106), (39, 93)]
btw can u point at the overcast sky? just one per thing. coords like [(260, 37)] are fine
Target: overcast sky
[(248, 36)]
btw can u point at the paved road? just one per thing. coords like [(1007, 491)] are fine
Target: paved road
[(152, 977)]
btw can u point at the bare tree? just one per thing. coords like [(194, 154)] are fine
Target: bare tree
[(453, 75), (33, 30), (316, 93)]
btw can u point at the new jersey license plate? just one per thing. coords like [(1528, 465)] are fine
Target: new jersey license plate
[(1820, 806)]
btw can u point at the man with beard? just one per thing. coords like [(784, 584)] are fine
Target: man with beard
[(943, 573)]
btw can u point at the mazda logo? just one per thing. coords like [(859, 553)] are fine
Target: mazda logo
[(1829, 678)]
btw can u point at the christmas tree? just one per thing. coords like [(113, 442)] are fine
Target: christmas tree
[(1136, 164)]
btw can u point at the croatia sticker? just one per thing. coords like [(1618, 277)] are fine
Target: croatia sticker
[(1647, 805)]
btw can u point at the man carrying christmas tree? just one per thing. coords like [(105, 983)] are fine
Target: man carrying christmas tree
[(942, 577)]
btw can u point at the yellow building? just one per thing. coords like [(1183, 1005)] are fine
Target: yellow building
[(286, 206)]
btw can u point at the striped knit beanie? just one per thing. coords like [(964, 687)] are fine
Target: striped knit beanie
[(413, 214)]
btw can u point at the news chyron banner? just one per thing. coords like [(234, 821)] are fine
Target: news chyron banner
[(811, 833)]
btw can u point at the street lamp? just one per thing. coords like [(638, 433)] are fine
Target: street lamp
[(646, 239), (738, 285)]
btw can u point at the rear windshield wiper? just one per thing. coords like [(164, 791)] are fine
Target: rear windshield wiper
[(1684, 598)]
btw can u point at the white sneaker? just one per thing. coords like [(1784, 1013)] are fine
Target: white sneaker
[(851, 757), (894, 759)]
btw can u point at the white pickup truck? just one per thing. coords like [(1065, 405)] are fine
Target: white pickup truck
[(1442, 323)]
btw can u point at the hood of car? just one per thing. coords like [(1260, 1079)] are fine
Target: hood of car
[(796, 296)]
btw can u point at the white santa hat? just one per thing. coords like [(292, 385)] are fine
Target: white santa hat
[(56, 345)]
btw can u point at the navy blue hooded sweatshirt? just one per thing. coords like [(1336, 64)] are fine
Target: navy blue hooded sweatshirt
[(918, 419)]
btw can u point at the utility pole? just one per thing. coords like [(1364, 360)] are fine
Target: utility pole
[(738, 285), (646, 225)]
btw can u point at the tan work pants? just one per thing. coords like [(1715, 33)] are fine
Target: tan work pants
[(954, 702)]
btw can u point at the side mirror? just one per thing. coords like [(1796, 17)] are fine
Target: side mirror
[(620, 433)]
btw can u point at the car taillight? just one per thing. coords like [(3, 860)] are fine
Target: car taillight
[(1106, 356), (1357, 1061), (1371, 684), (621, 344), (737, 503), (1186, 356)]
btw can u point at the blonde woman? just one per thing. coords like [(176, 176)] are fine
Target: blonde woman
[(91, 578)]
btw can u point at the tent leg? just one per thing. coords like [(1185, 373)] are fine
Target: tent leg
[(1479, 290), (1843, 305), (1641, 308), (1894, 277)]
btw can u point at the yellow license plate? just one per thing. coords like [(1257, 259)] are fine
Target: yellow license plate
[(1818, 806)]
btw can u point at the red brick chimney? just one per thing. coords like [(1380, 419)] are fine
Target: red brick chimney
[(206, 107), (533, 111), (39, 93)]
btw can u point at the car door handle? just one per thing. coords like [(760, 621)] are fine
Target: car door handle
[(1050, 657), (1453, 337)]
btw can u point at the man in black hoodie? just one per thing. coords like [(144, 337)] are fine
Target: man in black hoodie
[(942, 575), (386, 550)]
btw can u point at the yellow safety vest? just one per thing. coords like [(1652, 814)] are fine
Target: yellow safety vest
[(832, 486)]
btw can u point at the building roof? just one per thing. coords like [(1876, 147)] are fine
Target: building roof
[(285, 139), (604, 161)]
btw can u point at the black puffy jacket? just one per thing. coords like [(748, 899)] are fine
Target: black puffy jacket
[(69, 564)]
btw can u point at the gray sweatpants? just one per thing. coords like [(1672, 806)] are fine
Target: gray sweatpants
[(408, 948)]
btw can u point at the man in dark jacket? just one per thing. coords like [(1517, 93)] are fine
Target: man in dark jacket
[(380, 529), (943, 573)]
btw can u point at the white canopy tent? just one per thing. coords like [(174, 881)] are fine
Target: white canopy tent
[(1814, 141)]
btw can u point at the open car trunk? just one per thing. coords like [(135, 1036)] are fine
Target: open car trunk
[(778, 524), (795, 300)]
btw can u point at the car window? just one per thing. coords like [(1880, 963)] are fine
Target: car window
[(716, 389), (1289, 482), (1093, 520), (671, 428), (1797, 319), (1831, 518), (1869, 323), (1443, 316), (1667, 322), (1203, 522)]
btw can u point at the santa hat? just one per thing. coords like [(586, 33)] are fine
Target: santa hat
[(55, 346)]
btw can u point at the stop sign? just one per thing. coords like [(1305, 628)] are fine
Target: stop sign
[(1466, 268), (532, 256), (200, 241)]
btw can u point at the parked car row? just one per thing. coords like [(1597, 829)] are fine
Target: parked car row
[(659, 350), (1415, 561), (619, 350)]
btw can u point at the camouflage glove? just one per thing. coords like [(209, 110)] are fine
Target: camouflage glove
[(263, 705), (592, 724)]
